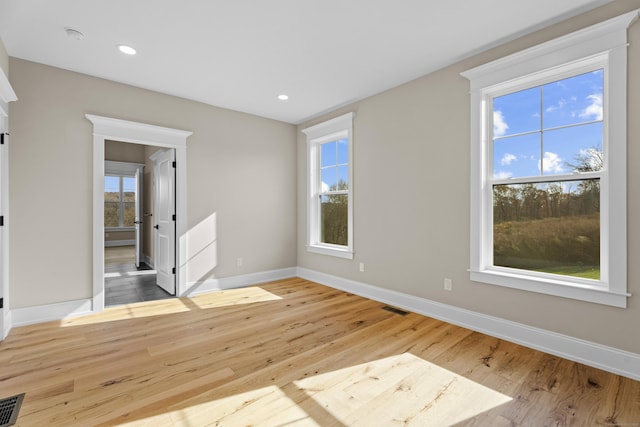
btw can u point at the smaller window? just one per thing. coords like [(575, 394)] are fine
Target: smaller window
[(119, 201), (120, 193), (330, 187)]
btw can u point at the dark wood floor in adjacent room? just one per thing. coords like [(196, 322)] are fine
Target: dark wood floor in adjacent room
[(294, 353), (126, 284)]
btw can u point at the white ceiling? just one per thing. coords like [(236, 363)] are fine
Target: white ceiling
[(241, 54)]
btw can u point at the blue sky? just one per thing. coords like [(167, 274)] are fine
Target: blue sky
[(112, 184), (334, 163), (554, 123)]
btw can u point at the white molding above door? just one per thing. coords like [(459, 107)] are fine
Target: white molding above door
[(106, 128)]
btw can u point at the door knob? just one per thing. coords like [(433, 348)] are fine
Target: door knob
[(156, 226)]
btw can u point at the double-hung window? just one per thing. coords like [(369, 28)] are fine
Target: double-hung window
[(120, 195), (119, 201), (330, 187), (548, 172)]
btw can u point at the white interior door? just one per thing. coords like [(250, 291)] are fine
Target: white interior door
[(138, 219), (165, 220)]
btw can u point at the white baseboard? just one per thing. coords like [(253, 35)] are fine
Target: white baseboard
[(211, 285), (598, 356), (46, 313)]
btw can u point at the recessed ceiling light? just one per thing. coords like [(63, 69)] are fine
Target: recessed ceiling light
[(126, 49), (283, 97), (73, 33)]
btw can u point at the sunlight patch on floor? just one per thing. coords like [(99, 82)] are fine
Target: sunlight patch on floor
[(129, 273), (217, 299), (140, 273), (400, 390), (130, 311), (232, 297), (267, 407)]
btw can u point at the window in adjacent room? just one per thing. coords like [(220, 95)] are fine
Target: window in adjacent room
[(119, 201), (548, 148), (330, 187)]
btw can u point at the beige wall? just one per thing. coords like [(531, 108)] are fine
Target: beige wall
[(123, 152), (241, 171), (411, 200)]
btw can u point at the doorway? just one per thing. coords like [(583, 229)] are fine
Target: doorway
[(104, 129), (131, 188)]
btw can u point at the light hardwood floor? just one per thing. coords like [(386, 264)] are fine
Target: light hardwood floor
[(294, 353), (119, 255)]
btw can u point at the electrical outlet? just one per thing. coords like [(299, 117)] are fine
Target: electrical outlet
[(448, 284), (239, 262), (362, 267)]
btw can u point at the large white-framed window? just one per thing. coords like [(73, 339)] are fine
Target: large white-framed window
[(330, 187), (548, 167)]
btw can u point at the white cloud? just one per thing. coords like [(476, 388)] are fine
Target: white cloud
[(507, 159), (593, 110), (561, 103), (325, 187), (502, 175), (500, 126), (552, 163)]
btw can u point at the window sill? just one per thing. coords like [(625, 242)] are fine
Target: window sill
[(582, 291), (332, 251)]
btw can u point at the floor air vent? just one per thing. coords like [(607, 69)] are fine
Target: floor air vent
[(9, 409), (391, 309)]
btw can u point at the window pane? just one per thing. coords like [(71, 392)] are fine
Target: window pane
[(576, 148), (574, 100), (328, 154), (129, 214), (516, 112), (129, 189), (334, 219), (550, 227), (343, 177), (112, 188), (343, 151), (329, 179), (111, 215), (516, 156)]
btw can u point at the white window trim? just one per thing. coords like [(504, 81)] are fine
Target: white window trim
[(337, 128), (604, 41)]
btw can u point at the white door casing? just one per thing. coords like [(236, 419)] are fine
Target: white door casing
[(7, 95), (164, 219), (105, 128)]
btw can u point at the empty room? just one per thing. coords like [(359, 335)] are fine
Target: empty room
[(305, 213)]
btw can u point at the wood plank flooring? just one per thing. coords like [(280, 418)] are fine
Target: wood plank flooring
[(294, 353)]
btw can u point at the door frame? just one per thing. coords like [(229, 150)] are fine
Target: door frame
[(106, 128), (7, 95)]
